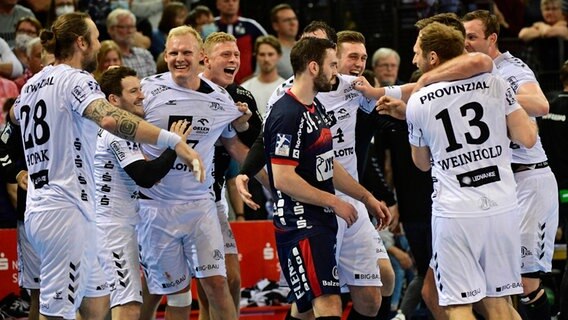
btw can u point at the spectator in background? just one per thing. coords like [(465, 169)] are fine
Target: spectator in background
[(10, 66), (385, 67), (551, 127), (553, 26), (149, 9), (174, 15), (10, 13), (246, 31), (108, 55), (121, 26), (285, 24), (268, 53), (201, 19), (58, 8), (26, 29)]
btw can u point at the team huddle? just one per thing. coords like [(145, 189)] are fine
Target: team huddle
[(123, 175)]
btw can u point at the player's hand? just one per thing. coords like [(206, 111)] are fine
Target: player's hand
[(345, 211), (22, 179), (364, 86), (395, 108), (379, 210), (395, 217), (241, 123), (182, 128), (192, 159), (241, 181)]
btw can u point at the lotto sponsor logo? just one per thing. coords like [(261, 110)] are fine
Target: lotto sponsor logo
[(344, 152), (472, 293), (509, 286), (174, 283), (367, 276)]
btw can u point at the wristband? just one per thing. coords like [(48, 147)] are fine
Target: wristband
[(394, 92), (167, 139)]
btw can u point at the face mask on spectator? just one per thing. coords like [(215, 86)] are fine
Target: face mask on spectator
[(61, 10), (21, 41), (122, 4), (208, 29)]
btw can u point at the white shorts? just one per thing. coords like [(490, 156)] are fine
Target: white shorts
[(178, 240), (67, 246), (475, 258), (28, 261), (537, 192), (118, 254), (358, 249), (228, 236)]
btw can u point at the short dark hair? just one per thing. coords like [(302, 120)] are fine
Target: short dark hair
[(320, 25), (269, 40), (309, 49), (64, 31), (110, 80), (489, 21), (197, 12), (169, 14), (449, 18), (277, 8)]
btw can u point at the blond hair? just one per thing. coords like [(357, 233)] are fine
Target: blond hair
[(215, 38)]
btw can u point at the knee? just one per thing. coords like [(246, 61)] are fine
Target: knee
[(214, 286), (387, 277)]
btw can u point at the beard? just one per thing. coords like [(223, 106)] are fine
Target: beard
[(90, 65), (321, 83)]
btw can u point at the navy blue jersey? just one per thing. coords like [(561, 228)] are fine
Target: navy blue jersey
[(299, 135)]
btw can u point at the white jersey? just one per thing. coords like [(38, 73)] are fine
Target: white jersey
[(464, 125), (210, 114), (117, 193), (341, 105), (517, 73), (59, 142)]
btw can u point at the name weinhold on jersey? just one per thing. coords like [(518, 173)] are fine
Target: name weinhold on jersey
[(478, 85), (470, 156)]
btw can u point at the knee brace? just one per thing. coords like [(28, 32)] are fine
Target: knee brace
[(180, 299), (531, 296)]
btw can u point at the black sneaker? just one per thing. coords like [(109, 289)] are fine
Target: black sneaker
[(14, 306)]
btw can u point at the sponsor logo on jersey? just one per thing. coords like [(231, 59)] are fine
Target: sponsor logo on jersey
[(343, 114), (82, 180), (351, 96), (33, 87), (479, 177), (105, 188), (174, 282), (297, 274), (510, 96), (327, 283), (202, 126), (215, 106), (453, 89), (57, 295), (79, 94), (366, 276), (205, 267), (324, 166), (283, 142), (105, 201), (525, 252), (509, 286), (218, 255), (513, 82), (344, 152), (40, 178), (159, 90), (471, 293), (171, 103), (6, 133), (117, 150)]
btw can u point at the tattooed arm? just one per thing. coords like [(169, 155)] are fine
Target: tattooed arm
[(128, 126)]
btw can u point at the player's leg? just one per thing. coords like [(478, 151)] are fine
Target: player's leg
[(150, 302), (28, 270), (496, 308), (207, 258), (458, 312), (430, 296), (537, 193), (118, 253)]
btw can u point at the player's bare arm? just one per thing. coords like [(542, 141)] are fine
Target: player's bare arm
[(421, 157), (236, 148), (345, 183), (460, 67), (288, 181), (241, 123), (128, 126), (532, 99), (522, 129), (400, 92)]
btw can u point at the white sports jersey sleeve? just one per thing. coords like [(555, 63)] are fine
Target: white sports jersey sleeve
[(117, 193), (209, 114), (518, 73), (464, 125), (59, 143)]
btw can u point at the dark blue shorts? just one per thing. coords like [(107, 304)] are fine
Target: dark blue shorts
[(310, 268)]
